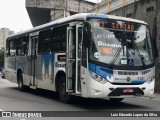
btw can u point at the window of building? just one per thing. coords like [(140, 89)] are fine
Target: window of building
[(149, 9), (59, 39), (129, 15), (44, 44), (7, 48)]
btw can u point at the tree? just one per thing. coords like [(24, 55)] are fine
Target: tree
[(2, 57)]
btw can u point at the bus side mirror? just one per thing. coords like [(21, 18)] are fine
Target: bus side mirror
[(86, 35), (155, 50)]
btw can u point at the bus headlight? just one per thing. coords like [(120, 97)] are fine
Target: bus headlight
[(98, 78), (152, 78)]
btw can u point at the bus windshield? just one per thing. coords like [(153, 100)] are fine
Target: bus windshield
[(120, 43)]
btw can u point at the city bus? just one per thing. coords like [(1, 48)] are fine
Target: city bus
[(88, 55)]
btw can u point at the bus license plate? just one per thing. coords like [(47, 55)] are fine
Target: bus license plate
[(128, 90)]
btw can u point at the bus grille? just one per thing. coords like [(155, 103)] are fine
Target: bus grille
[(145, 72), (127, 73)]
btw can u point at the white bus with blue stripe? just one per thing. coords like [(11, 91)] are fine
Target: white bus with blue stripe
[(88, 55)]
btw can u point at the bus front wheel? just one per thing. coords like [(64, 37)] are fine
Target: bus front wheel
[(63, 95)]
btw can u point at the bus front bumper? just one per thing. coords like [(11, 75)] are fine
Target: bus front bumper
[(108, 90)]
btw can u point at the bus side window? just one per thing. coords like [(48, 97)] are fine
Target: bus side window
[(44, 44), (7, 48), (59, 39), (22, 44), (26, 45), (13, 46)]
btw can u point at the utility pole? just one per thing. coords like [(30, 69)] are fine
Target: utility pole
[(65, 8), (124, 3), (97, 7), (154, 34), (79, 5), (109, 6), (135, 8)]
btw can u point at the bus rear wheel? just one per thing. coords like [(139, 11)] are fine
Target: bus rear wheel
[(63, 95), (116, 99)]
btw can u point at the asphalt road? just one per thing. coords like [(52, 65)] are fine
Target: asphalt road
[(11, 99)]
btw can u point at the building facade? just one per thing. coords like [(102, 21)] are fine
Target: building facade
[(43, 11), (4, 33)]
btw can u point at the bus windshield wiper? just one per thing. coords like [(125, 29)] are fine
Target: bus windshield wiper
[(118, 52), (123, 43), (116, 56), (142, 59)]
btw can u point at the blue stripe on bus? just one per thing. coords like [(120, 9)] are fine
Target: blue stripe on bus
[(104, 72), (138, 81), (92, 67), (52, 62), (46, 59), (107, 70)]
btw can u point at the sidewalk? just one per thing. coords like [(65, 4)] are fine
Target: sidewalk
[(156, 96)]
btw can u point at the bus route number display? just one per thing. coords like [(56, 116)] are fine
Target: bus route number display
[(116, 25), (106, 50), (122, 26)]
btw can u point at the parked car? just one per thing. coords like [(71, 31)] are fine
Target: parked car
[(2, 73), (1, 69)]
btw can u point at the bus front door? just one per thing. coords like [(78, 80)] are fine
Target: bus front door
[(73, 61), (33, 57)]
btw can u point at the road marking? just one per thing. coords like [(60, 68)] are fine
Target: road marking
[(151, 98), (1, 110), (4, 80), (156, 99)]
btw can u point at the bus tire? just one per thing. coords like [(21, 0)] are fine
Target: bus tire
[(63, 95), (20, 82), (116, 100)]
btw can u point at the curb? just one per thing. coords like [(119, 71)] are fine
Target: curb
[(156, 96)]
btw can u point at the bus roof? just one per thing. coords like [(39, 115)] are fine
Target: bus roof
[(80, 16)]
